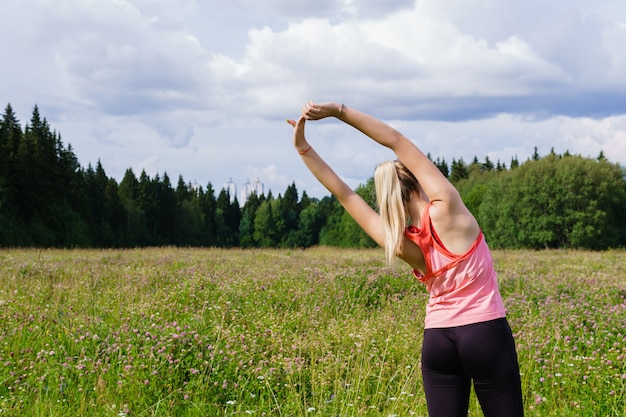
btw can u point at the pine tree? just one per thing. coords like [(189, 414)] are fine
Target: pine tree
[(443, 167), (114, 214), (165, 213), (536, 156), (11, 135), (148, 203), (10, 139), (228, 217), (208, 209), (265, 225), (287, 217), (96, 182), (26, 180), (246, 226), (487, 165), (459, 171), (183, 191), (135, 230)]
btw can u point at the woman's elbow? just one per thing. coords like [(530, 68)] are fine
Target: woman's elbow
[(397, 140)]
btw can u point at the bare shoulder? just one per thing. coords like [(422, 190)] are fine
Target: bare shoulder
[(455, 225)]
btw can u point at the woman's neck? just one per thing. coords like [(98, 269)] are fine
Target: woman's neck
[(415, 208)]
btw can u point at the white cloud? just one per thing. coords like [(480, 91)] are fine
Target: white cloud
[(202, 89), (591, 136)]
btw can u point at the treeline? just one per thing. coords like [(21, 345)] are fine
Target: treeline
[(47, 199)]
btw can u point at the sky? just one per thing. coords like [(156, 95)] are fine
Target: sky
[(202, 88)]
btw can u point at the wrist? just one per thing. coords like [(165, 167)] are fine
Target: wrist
[(341, 110), (304, 148)]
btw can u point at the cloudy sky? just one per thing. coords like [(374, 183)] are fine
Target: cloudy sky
[(202, 88)]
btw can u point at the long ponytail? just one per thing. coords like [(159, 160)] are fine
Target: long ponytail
[(394, 184)]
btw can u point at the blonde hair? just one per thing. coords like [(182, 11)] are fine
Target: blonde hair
[(394, 184)]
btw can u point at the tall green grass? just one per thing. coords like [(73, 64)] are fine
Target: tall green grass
[(321, 332)]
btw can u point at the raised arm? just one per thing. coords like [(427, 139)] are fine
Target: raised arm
[(360, 211), (435, 184), (454, 223)]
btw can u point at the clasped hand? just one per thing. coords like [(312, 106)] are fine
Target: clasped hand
[(311, 111)]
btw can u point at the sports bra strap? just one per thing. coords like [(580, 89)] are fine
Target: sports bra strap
[(453, 263)]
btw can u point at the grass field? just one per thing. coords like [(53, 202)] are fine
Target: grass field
[(320, 332)]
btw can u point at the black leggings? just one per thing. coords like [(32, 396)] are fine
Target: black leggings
[(483, 352)]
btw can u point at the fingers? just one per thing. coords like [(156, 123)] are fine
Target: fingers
[(299, 123), (309, 110)]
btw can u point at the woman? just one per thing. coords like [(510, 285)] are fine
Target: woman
[(424, 222)]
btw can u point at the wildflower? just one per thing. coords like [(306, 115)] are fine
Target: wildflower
[(231, 402), (310, 409)]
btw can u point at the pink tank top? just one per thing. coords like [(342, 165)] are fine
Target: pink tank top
[(463, 288)]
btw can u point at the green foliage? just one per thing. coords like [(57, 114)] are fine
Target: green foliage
[(189, 223), (341, 229), (473, 188), (265, 225), (316, 332), (9, 226), (458, 171), (208, 207), (556, 202), (48, 200), (309, 226)]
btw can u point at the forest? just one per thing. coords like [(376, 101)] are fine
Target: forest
[(47, 199)]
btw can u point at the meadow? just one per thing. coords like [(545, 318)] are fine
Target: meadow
[(316, 332)]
